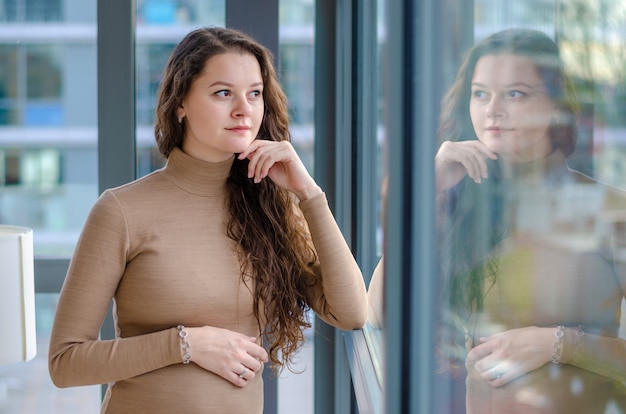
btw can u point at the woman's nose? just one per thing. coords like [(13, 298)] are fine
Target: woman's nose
[(495, 108), (242, 108)]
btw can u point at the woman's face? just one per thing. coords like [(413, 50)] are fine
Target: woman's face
[(223, 109), (510, 109)]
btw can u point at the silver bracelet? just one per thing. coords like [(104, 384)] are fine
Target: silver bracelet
[(580, 332), (184, 343), (557, 348)]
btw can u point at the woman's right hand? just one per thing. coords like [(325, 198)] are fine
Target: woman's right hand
[(226, 353), (455, 159)]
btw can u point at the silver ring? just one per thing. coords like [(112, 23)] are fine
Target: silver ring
[(497, 373), (243, 373)]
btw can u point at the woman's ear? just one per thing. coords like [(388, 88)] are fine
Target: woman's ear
[(180, 114)]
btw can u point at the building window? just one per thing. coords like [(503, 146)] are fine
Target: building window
[(31, 11)]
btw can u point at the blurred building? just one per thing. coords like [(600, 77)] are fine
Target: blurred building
[(48, 101)]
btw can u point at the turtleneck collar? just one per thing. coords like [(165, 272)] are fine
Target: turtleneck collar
[(550, 170), (197, 177)]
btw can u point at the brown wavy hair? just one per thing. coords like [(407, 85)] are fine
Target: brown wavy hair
[(277, 257)]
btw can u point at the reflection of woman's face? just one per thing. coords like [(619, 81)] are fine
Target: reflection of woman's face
[(510, 108)]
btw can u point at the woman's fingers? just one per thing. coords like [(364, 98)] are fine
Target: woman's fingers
[(235, 357), (279, 162), (472, 155), (262, 156)]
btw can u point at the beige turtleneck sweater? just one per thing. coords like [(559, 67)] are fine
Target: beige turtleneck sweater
[(158, 247)]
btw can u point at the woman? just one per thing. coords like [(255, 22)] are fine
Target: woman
[(212, 261), (533, 297)]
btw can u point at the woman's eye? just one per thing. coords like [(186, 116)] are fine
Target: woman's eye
[(255, 94), (478, 94), (222, 93), (515, 94)]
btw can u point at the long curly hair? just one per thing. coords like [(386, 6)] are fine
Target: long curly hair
[(472, 216), (276, 253)]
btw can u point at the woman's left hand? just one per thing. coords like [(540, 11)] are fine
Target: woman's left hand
[(280, 162), (507, 355)]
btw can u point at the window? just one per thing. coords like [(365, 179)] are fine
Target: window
[(48, 165), (31, 10), (533, 246)]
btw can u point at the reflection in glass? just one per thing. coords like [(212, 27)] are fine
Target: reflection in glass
[(531, 253)]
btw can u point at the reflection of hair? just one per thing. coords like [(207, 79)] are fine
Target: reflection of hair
[(456, 124), (472, 216), (471, 225), (276, 252)]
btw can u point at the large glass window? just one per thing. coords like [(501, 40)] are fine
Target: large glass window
[(48, 121), (48, 164), (528, 204), (528, 201), (296, 62)]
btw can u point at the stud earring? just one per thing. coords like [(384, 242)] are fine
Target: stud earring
[(180, 119)]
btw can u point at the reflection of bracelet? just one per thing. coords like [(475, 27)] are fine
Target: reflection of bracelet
[(557, 348), (184, 344), (579, 342)]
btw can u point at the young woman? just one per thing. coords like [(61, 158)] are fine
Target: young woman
[(532, 300), (213, 261)]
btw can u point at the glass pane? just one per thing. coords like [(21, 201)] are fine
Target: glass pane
[(296, 42), (48, 164), (161, 24), (374, 329), (48, 115), (27, 388), (531, 206), (296, 38)]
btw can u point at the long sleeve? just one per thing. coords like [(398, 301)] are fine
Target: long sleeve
[(340, 297), (601, 354), (77, 356), (596, 353), (156, 248)]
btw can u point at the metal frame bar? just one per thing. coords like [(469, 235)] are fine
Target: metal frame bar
[(367, 389), (365, 107), (359, 73), (325, 169), (116, 104), (345, 125), (398, 237), (411, 285)]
